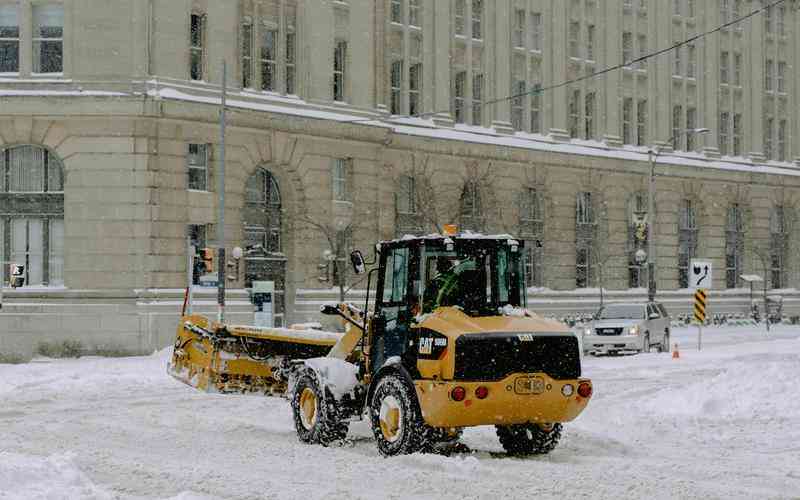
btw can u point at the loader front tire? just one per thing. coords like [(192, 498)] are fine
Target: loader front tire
[(316, 416), (396, 422), (529, 439)]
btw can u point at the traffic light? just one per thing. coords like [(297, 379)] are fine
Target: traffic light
[(207, 255), (16, 275)]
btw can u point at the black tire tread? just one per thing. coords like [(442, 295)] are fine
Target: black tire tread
[(330, 426), (516, 441)]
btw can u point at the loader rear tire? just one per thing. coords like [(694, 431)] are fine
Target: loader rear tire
[(529, 439), (317, 419), (396, 421)]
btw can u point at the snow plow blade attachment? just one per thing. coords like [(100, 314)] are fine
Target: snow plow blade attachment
[(241, 359)]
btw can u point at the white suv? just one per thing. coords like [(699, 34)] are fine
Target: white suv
[(628, 327)]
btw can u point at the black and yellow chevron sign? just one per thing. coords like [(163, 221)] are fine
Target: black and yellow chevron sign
[(700, 305)]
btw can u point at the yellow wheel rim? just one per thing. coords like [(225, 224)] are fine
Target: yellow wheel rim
[(390, 419), (308, 408)]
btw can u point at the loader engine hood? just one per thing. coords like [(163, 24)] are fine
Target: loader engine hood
[(454, 346)]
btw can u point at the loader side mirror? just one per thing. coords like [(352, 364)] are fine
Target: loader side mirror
[(359, 266)]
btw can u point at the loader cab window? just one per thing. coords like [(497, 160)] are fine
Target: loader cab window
[(395, 305), (477, 276)]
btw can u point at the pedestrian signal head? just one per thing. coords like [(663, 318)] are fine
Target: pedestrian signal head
[(207, 255)]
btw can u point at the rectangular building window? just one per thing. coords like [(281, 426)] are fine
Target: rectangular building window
[(782, 20), (782, 140), (197, 162), (677, 122), (642, 39), (339, 70), (691, 124), (724, 68), (691, 62), (536, 31), (339, 174), (269, 46), (778, 246), (737, 69), (519, 28), (724, 11), (396, 83), (574, 113), (415, 89), (9, 39), (518, 104), (477, 19), (585, 210), (723, 132), (459, 96), (415, 13), (589, 114), (247, 54), (290, 63), (477, 99), (48, 39), (460, 15), (734, 246), (677, 64), (574, 35), (768, 124), (590, 40), (768, 21), (627, 48), (687, 241), (676, 7), (397, 11), (641, 122), (627, 120), (536, 109), (768, 69), (737, 11), (737, 134), (531, 207), (781, 79)]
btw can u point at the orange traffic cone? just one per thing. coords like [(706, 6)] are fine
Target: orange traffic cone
[(675, 353)]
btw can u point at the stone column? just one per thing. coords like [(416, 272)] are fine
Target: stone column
[(501, 38), (317, 42), (708, 78), (557, 34), (361, 54), (442, 43), (609, 56), (754, 80)]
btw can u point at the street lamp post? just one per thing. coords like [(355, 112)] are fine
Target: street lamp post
[(651, 233)]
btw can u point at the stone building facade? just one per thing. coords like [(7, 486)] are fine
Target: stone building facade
[(358, 120)]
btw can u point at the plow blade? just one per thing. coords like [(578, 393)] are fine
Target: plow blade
[(241, 359)]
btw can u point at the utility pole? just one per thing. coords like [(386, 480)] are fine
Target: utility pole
[(221, 208)]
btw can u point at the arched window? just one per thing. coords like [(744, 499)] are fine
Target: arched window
[(778, 246), (734, 246), (262, 217), (638, 228), (32, 213), (687, 240), (531, 229), (471, 207)]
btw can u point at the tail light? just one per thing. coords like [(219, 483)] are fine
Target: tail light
[(458, 393), (585, 389), (481, 392)]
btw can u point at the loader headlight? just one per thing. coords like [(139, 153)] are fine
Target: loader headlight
[(634, 330), (588, 331), (567, 390)]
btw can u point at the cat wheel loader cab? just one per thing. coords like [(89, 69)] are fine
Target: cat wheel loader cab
[(450, 345)]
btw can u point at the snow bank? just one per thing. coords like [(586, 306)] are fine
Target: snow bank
[(52, 478), (339, 375), (509, 310)]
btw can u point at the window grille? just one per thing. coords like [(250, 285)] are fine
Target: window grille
[(9, 39), (197, 161), (48, 38)]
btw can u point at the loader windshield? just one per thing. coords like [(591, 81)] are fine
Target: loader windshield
[(479, 276)]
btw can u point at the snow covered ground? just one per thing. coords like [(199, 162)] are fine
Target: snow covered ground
[(721, 423)]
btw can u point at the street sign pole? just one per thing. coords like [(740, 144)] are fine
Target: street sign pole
[(700, 301), (221, 208)]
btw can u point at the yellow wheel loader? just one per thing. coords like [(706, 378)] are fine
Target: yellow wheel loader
[(445, 344)]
